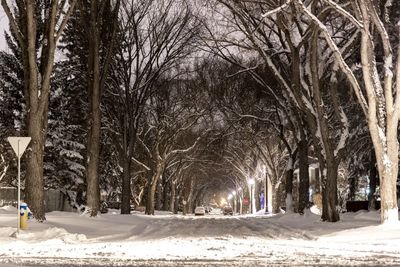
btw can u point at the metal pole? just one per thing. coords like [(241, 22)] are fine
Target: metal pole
[(265, 193), (241, 203), (251, 199), (235, 204), (19, 188)]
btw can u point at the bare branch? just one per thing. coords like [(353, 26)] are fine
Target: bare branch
[(141, 164), (65, 19), (342, 63), (180, 151), (13, 23), (344, 13), (276, 10)]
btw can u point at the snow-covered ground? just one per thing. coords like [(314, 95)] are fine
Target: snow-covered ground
[(70, 239)]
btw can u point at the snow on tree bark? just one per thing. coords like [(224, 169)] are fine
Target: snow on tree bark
[(382, 110)]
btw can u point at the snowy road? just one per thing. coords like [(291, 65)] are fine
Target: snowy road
[(269, 259), (69, 239)]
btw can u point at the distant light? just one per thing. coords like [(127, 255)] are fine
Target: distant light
[(251, 181), (234, 193), (230, 197), (222, 202)]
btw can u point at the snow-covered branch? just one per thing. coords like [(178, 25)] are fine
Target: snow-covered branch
[(186, 150), (146, 148), (13, 23), (3, 173), (141, 164), (276, 10), (342, 63), (345, 133), (388, 53), (344, 13), (65, 19)]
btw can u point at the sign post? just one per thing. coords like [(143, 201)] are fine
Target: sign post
[(19, 144)]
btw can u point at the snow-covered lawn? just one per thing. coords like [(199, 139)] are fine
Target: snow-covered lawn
[(171, 240)]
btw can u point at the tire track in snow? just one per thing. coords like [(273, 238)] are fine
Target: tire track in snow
[(213, 227)]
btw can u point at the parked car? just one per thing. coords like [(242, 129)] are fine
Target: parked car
[(199, 211), (216, 211), (227, 210)]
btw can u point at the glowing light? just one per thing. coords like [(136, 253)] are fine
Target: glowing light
[(223, 202)]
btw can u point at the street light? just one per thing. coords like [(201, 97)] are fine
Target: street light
[(240, 193), (251, 184)]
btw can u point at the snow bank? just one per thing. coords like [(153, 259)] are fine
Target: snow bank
[(51, 234), (7, 209), (284, 238)]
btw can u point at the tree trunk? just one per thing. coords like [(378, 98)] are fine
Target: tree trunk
[(166, 185), (97, 73), (37, 110), (178, 197), (373, 172), (353, 186), (150, 197), (34, 186), (388, 171), (125, 155), (329, 194), (288, 186), (257, 197), (389, 209), (92, 178), (276, 197), (94, 118), (383, 113), (304, 181), (331, 157), (172, 199), (126, 187), (184, 209), (159, 191), (152, 189), (190, 197)]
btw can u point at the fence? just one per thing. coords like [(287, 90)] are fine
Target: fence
[(55, 200)]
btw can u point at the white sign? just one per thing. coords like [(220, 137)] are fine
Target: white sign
[(19, 144)]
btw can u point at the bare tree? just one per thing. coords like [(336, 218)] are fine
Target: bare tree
[(380, 99), (170, 131), (97, 23), (286, 45), (154, 37), (37, 75)]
